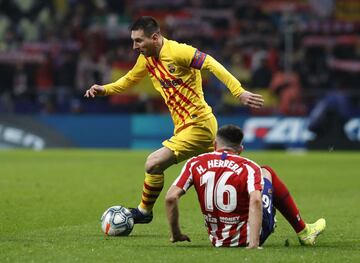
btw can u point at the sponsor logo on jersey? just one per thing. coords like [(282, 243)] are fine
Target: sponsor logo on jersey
[(167, 83), (208, 218), (230, 220)]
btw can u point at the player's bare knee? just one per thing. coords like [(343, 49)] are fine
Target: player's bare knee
[(158, 161), (171, 198), (266, 174), (150, 167), (153, 166)]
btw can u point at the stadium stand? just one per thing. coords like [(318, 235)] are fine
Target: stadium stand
[(295, 53)]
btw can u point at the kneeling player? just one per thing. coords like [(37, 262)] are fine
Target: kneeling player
[(237, 197)]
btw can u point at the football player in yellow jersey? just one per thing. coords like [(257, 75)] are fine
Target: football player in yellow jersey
[(174, 69)]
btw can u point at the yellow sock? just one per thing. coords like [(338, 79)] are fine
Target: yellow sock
[(153, 184)]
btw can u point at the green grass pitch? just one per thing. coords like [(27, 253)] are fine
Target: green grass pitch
[(51, 203)]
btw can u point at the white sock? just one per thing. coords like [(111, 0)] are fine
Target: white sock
[(143, 211)]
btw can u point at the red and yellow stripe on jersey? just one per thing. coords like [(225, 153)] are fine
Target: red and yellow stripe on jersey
[(176, 75)]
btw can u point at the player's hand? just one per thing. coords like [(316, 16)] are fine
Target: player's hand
[(94, 91), (251, 99), (253, 247), (179, 238)]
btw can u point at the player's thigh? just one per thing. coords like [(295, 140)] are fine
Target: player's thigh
[(193, 140), (268, 223)]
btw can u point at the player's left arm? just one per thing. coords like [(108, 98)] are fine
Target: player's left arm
[(189, 56), (254, 187), (246, 97), (255, 218), (172, 212)]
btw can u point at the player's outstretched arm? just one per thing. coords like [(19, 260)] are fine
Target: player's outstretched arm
[(246, 97), (172, 212), (252, 100), (94, 91)]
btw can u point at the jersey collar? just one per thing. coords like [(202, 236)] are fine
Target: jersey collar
[(227, 150), (163, 46)]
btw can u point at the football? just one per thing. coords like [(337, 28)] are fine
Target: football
[(117, 221)]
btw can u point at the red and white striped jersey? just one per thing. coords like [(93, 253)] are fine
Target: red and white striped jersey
[(223, 182)]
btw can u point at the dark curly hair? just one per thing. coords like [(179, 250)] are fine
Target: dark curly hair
[(146, 23), (231, 134)]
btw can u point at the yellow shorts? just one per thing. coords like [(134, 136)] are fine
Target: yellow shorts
[(193, 140)]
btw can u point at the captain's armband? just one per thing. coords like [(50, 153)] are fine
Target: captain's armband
[(198, 59)]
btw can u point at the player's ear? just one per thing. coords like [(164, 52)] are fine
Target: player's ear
[(155, 36), (241, 148)]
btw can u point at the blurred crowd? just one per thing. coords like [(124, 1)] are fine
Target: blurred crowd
[(301, 55)]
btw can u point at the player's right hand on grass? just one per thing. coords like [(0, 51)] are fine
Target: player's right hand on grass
[(94, 91), (179, 238), (254, 247)]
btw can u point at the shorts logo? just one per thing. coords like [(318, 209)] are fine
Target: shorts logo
[(171, 68)]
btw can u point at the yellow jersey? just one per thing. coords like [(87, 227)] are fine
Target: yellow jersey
[(176, 75)]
